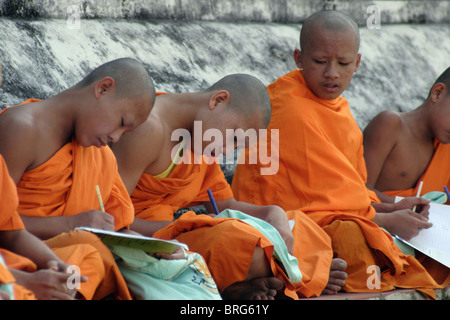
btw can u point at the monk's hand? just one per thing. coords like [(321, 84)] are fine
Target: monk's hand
[(60, 266), (405, 223), (47, 284), (178, 254), (94, 219), (421, 205)]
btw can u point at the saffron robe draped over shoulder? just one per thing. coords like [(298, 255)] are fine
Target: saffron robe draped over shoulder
[(65, 186), (322, 173), (157, 199), (10, 221), (227, 245), (436, 176)]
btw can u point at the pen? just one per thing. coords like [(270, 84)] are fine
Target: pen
[(419, 190), (446, 191), (99, 195), (213, 202)]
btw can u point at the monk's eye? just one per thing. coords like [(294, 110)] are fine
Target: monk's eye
[(344, 63), (319, 61)]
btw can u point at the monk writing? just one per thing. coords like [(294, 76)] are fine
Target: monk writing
[(160, 183), (50, 282), (403, 149), (56, 154), (322, 170)]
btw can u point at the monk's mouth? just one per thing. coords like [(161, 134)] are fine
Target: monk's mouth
[(330, 87)]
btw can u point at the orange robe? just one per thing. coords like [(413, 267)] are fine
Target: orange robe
[(322, 173), (65, 186), (10, 220), (227, 244), (436, 176)]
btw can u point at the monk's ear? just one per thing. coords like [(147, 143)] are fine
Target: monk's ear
[(220, 97), (358, 62), (298, 58), (104, 86), (438, 91)]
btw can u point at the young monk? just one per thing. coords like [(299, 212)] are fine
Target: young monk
[(238, 255), (56, 154), (402, 149), (50, 282), (322, 170)]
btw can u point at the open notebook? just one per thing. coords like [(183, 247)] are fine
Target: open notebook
[(147, 244), (435, 241)]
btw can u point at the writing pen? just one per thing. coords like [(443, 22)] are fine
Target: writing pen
[(448, 194), (419, 190), (213, 202), (99, 196)]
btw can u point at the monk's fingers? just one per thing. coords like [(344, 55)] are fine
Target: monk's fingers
[(421, 221), (59, 295), (338, 264), (337, 278)]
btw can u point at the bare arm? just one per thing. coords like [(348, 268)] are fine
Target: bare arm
[(148, 228), (380, 137), (25, 244)]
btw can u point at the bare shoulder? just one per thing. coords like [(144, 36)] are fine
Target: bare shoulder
[(385, 124), (141, 146), (19, 135)]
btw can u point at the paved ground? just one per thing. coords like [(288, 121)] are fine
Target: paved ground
[(399, 294)]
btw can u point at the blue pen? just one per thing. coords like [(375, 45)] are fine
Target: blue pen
[(213, 202), (446, 191)]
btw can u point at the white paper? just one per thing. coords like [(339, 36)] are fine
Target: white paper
[(434, 241)]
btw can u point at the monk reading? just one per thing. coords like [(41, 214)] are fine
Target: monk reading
[(322, 170), (403, 149), (56, 154), (163, 175)]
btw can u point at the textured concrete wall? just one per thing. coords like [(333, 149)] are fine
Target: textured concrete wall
[(285, 11)]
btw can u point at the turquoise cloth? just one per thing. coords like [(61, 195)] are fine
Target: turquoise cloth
[(289, 262), (7, 287), (149, 278), (436, 197)]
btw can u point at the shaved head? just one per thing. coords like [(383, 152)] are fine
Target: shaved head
[(131, 77), (329, 20), (445, 79), (248, 95)]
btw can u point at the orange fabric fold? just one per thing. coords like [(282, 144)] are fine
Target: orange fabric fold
[(436, 176), (322, 172), (9, 217), (158, 198), (228, 246), (228, 242)]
